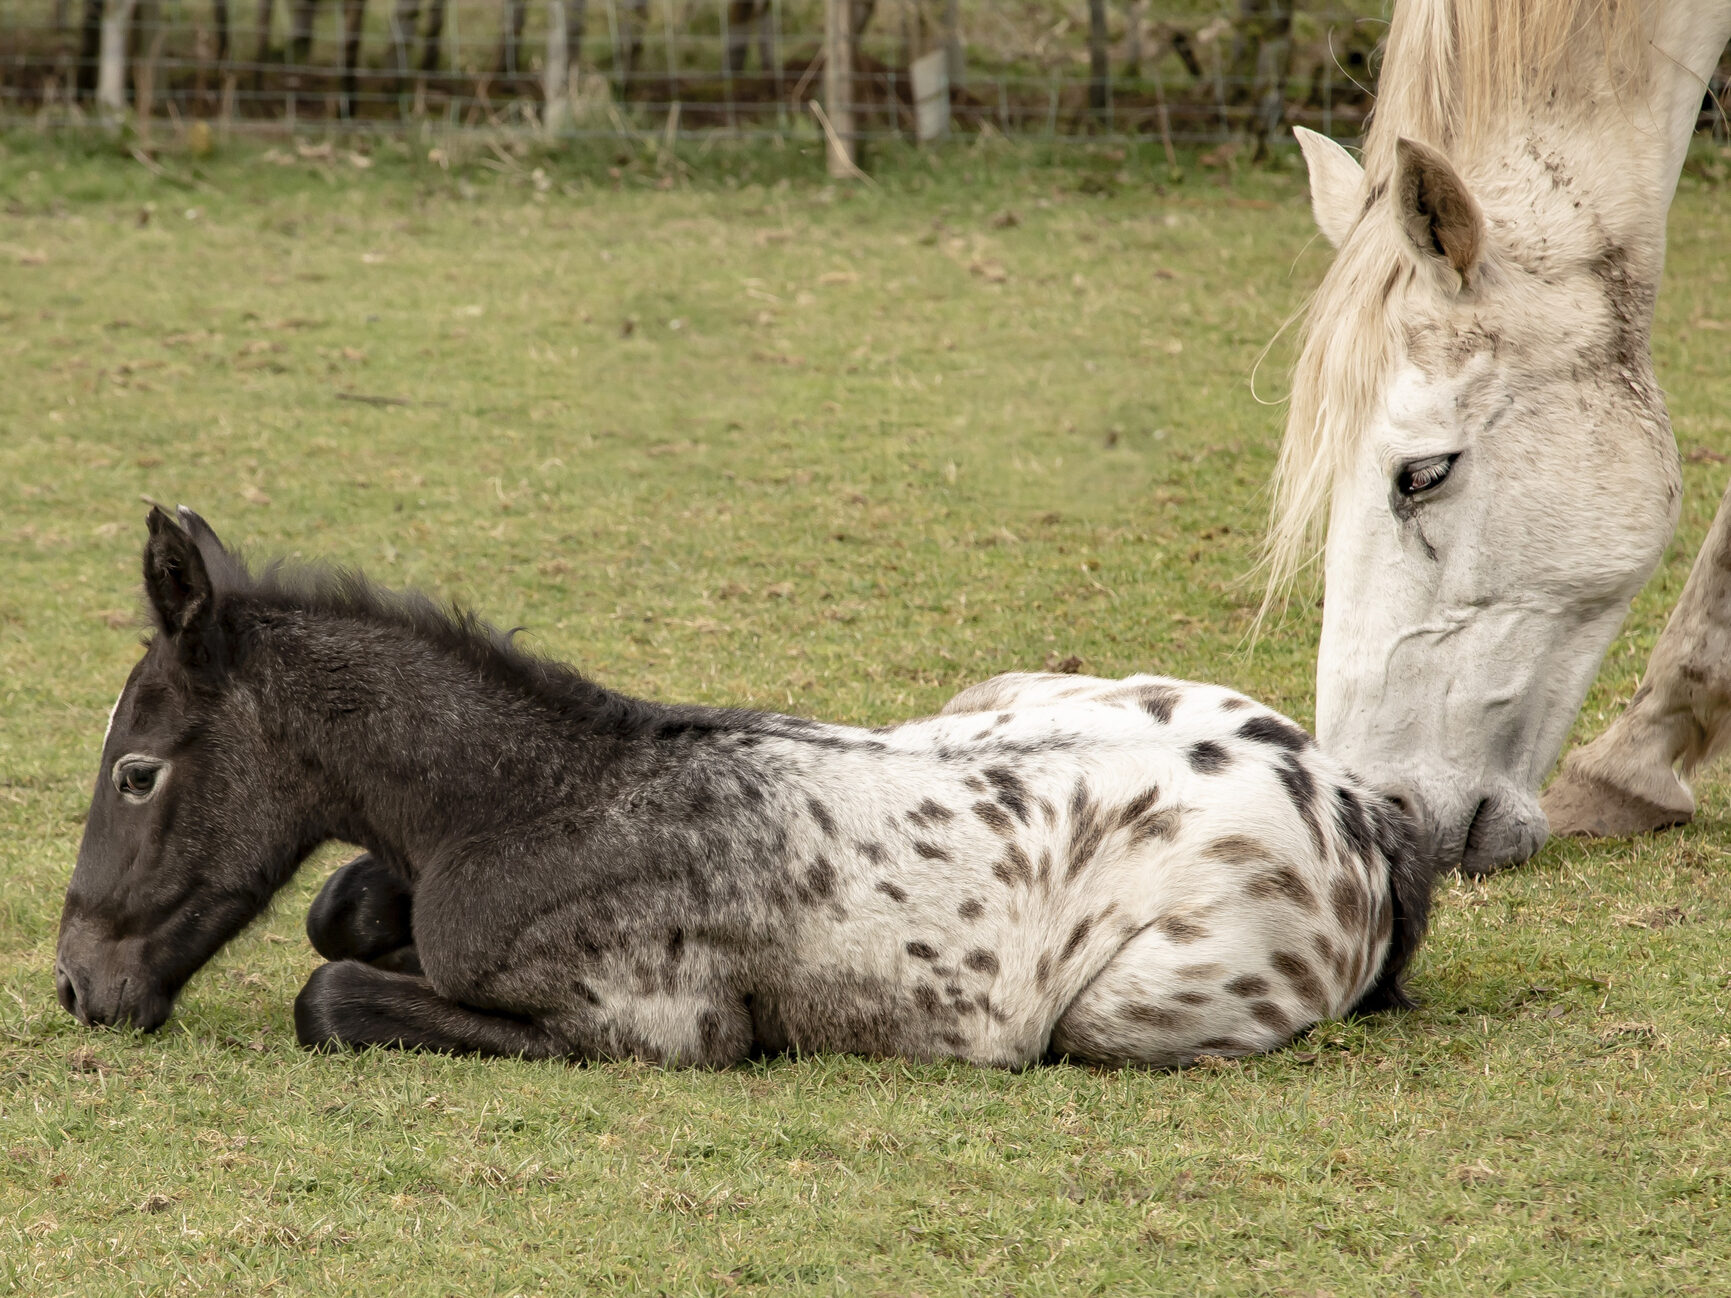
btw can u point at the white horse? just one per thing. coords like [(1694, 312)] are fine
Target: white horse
[(1474, 410)]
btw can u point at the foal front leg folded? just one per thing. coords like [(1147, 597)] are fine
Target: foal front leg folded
[(365, 912), (350, 1004)]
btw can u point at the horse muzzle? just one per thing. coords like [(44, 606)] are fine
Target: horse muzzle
[(101, 993), (1480, 827)]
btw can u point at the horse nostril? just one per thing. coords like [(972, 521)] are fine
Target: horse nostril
[(66, 990)]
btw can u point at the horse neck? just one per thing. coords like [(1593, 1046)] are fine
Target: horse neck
[(414, 746)]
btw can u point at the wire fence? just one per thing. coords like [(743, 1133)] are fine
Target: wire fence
[(1185, 72)]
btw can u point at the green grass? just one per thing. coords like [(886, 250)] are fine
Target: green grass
[(752, 440)]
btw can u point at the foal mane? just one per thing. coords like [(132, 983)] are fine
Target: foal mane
[(344, 594), (1455, 74)]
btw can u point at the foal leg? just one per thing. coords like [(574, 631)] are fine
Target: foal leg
[(365, 912), (354, 1005)]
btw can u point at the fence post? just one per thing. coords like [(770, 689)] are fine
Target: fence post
[(111, 67), (555, 72), (1099, 61), (838, 88)]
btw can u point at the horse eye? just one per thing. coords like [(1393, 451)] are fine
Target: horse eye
[(136, 780), (1420, 476)]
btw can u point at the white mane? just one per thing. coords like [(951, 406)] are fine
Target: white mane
[(1457, 75)]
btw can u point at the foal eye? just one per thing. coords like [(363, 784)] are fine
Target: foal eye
[(137, 778), (1419, 476)]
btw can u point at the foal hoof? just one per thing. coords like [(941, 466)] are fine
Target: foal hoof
[(362, 913), (315, 1008)]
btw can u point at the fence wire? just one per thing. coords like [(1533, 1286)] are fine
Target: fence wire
[(1188, 73)]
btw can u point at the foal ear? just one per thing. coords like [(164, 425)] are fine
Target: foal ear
[(177, 581), (1437, 211), (1336, 184)]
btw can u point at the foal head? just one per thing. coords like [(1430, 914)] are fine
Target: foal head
[(192, 825)]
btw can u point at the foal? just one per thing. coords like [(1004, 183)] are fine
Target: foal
[(1137, 871)]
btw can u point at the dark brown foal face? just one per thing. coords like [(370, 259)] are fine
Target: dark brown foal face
[(187, 836)]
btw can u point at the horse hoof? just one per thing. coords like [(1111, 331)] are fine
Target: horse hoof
[(1583, 806)]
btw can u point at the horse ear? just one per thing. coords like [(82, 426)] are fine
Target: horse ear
[(177, 581), (1437, 211), (1336, 184)]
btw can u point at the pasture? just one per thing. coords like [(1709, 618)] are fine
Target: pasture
[(713, 431)]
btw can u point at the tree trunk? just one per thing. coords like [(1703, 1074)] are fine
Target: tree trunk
[(1099, 65)]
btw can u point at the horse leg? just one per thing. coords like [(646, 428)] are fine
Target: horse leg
[(1626, 780), (365, 912), (355, 1005)]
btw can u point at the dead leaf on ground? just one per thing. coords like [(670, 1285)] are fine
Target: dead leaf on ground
[(1006, 220), (1705, 455), (86, 1060), (253, 496), (1629, 1032), (1069, 665), (1478, 1173), (115, 619), (991, 271), (1662, 917), (839, 277), (156, 1203)]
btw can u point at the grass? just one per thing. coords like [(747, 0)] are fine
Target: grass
[(748, 439)]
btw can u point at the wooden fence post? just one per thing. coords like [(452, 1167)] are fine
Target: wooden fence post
[(838, 88), (111, 69)]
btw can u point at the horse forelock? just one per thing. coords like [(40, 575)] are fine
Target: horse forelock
[(1462, 76)]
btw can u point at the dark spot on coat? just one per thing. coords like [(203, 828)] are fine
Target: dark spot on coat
[(1043, 971), (820, 878), (1087, 830), (1232, 702), (922, 951), (1223, 1046), (1237, 849), (675, 946), (926, 997), (1011, 791), (929, 812), (1270, 1015), (931, 851), (1329, 954), (1158, 701), (1350, 904), (981, 961), (953, 1040), (1193, 998), (1160, 1018), (1137, 807), (1015, 867), (873, 852), (1353, 824), (820, 813), (1281, 883), (1249, 985), (1078, 935), (1179, 929), (1300, 787), (1161, 824), (891, 891), (1207, 757), (1297, 971), (996, 818), (972, 908), (1276, 731)]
